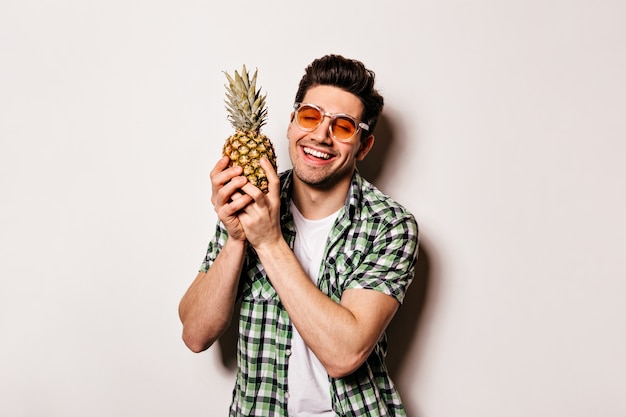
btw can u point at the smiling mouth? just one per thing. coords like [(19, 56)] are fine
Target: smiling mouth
[(316, 154)]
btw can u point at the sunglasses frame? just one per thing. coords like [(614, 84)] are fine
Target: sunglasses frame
[(333, 116)]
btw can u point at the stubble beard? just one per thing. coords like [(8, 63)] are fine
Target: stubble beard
[(324, 179)]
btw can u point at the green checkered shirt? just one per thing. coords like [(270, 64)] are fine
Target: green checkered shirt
[(373, 245)]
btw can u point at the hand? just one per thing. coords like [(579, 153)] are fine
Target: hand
[(260, 219), (227, 197)]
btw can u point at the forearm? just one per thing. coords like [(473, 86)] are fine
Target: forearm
[(337, 336), (207, 307)]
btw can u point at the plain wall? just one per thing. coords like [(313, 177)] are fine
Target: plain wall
[(503, 132)]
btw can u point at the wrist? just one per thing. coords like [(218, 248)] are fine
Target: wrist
[(271, 248), (235, 243)]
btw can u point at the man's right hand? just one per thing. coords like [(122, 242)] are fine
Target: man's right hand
[(227, 198)]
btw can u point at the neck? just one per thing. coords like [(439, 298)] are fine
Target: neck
[(316, 202)]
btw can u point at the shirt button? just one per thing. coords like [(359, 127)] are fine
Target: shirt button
[(288, 352), (286, 395)]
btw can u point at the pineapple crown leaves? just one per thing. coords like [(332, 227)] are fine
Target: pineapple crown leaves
[(244, 103)]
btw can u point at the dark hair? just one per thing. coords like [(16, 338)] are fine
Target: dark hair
[(349, 75)]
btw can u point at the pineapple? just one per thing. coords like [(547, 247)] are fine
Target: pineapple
[(247, 113)]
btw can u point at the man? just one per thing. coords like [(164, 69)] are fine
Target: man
[(321, 262)]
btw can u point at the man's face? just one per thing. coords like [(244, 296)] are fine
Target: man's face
[(318, 160)]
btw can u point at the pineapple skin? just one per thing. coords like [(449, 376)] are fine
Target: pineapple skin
[(245, 149)]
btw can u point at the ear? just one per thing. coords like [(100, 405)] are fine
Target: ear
[(366, 146)]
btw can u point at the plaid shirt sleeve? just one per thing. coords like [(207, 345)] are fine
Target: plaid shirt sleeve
[(374, 245), (215, 245), (389, 265)]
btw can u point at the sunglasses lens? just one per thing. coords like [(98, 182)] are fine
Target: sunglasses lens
[(343, 128), (309, 117)]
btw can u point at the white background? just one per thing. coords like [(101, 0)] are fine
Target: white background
[(503, 131)]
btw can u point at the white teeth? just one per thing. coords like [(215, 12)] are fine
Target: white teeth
[(317, 154)]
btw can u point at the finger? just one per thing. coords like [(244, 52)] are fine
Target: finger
[(236, 195), (272, 177), (237, 204), (230, 190), (224, 177), (232, 199), (221, 173), (219, 166), (253, 191), (222, 162)]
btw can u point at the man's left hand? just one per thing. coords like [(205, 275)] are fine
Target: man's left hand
[(261, 218)]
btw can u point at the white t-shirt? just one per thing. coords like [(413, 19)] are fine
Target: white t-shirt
[(309, 388)]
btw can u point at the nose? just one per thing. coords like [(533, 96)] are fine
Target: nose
[(322, 133)]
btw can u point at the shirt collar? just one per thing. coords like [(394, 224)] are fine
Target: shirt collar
[(351, 205)]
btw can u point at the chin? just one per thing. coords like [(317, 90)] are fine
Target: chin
[(321, 181)]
